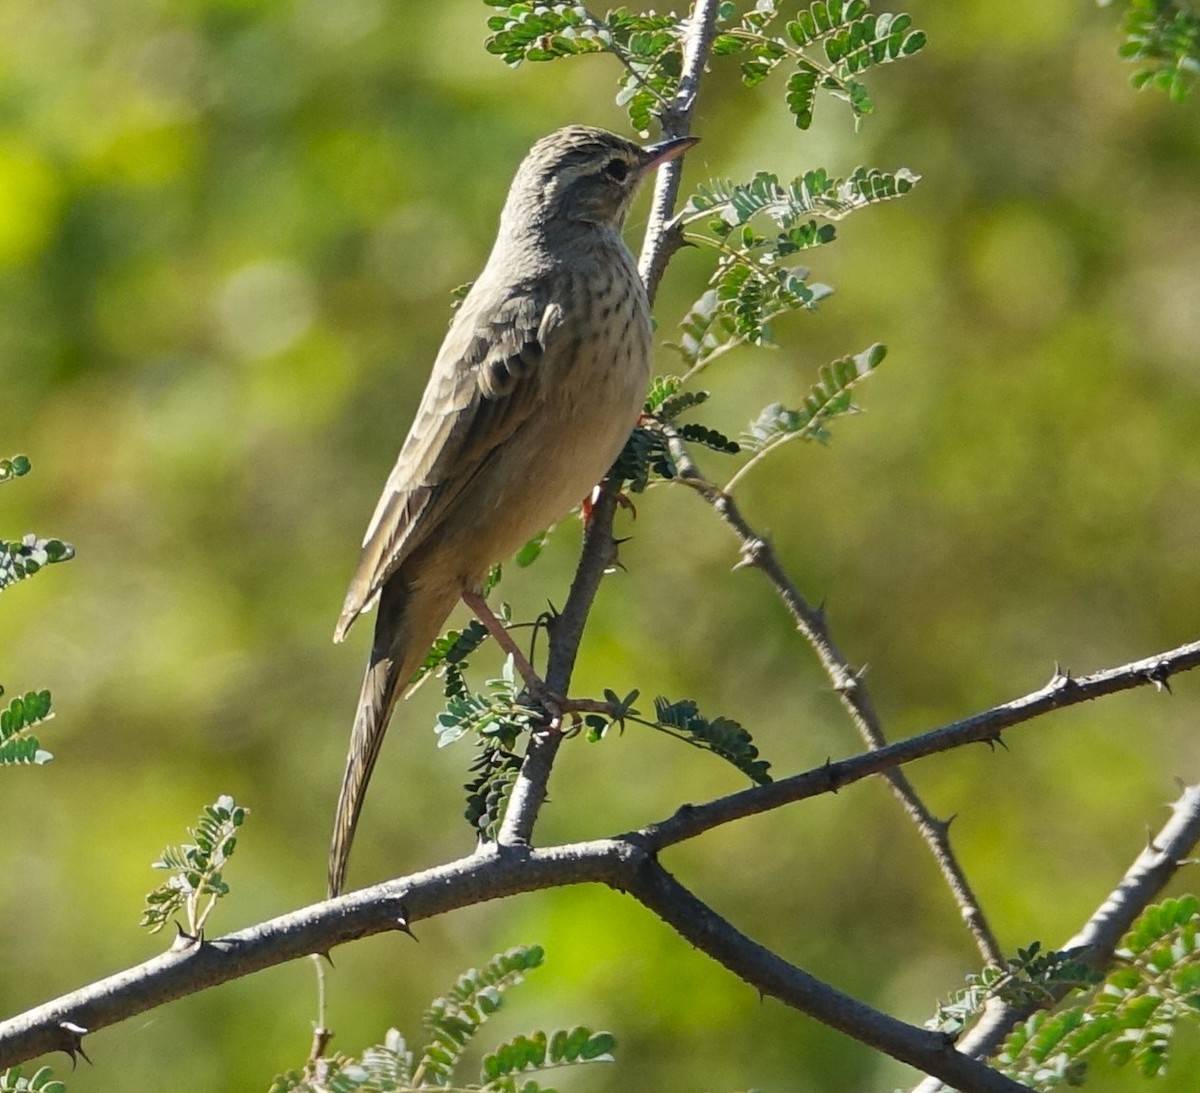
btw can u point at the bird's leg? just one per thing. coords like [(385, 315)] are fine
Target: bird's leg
[(504, 639)]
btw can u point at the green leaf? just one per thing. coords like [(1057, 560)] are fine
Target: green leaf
[(529, 553), (722, 736), (453, 1019), (18, 745), (1164, 37), (14, 467), (196, 883), (828, 398)]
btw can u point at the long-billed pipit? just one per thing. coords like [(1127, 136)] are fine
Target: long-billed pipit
[(536, 388)]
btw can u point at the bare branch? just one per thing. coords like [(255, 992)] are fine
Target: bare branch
[(1062, 691), (757, 551), (932, 1052)]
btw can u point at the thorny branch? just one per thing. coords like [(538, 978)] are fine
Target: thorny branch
[(757, 552), (626, 863)]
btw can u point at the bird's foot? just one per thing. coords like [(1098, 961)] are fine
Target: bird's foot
[(589, 503)]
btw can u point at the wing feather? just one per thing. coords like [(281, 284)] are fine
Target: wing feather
[(485, 383)]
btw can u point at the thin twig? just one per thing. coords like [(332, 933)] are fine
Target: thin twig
[(757, 552), (566, 632), (532, 781), (1102, 933), (1062, 691)]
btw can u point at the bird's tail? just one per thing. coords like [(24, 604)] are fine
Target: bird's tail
[(408, 622)]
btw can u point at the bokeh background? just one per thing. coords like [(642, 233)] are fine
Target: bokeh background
[(228, 235)]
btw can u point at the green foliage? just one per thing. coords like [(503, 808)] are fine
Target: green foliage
[(753, 284), (493, 771), (530, 552), (644, 457), (1030, 977), (14, 468), (452, 1021), (830, 397), (828, 45), (1163, 36), (619, 710), (18, 745), (647, 454), (722, 736), (452, 649), (382, 1068), (19, 560), (1130, 1016), (196, 883), (648, 46), (493, 713), (496, 718), (41, 1080)]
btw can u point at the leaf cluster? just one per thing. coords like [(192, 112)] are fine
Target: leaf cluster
[(41, 1080), (1130, 1016), (827, 45), (1164, 37), (452, 1022), (493, 772), (451, 650), (829, 398), (647, 453), (753, 283), (15, 467), (196, 882), (496, 717), (648, 46), (18, 745), (722, 736), (1032, 977), (22, 559)]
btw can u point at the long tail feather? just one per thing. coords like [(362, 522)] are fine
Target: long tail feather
[(409, 620)]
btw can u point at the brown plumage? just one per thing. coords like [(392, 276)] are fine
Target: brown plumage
[(535, 389)]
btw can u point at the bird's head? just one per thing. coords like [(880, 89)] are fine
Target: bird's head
[(581, 175)]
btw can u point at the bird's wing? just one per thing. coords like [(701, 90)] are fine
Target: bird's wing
[(485, 383)]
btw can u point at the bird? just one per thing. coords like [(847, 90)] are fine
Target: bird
[(540, 380)]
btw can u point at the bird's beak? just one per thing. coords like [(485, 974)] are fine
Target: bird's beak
[(665, 150)]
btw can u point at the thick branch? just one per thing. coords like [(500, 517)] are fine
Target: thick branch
[(928, 1051), (622, 864), (757, 551), (619, 863), (1102, 933)]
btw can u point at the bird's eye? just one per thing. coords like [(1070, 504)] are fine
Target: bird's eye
[(617, 170)]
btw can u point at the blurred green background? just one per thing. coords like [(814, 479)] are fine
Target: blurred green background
[(228, 234)]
